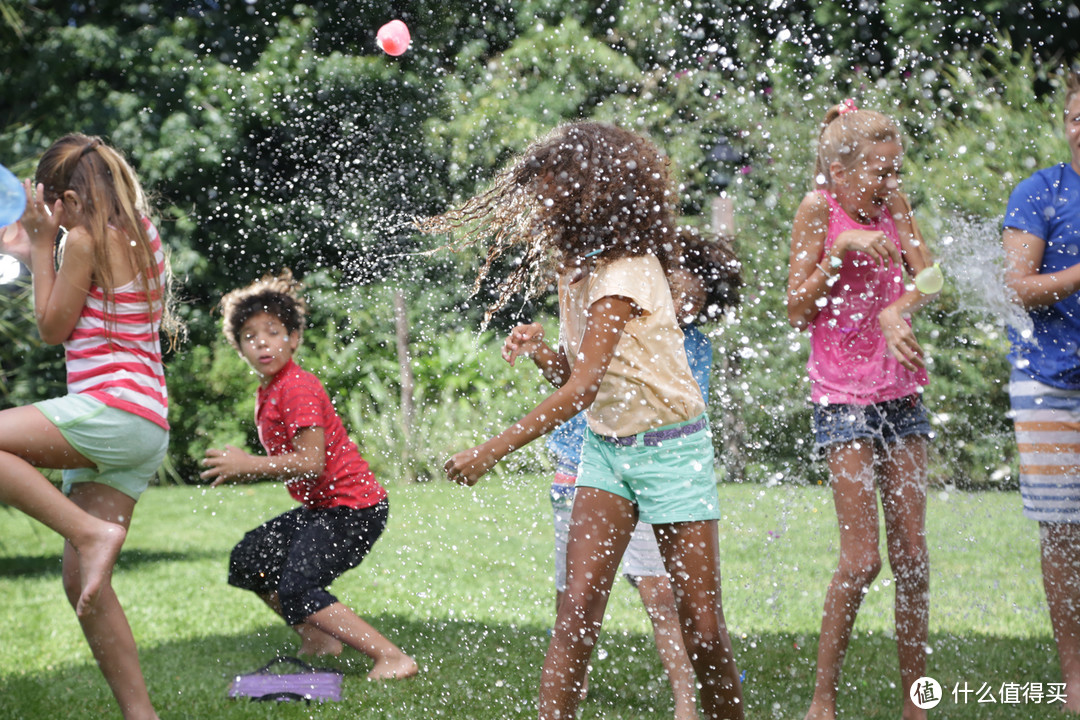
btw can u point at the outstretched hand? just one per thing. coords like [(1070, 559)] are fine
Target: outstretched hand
[(15, 242), (523, 340), (226, 465), (468, 466)]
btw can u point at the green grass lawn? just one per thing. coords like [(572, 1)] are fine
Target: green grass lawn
[(462, 581)]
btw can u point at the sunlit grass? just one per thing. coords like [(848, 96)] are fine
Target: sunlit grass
[(462, 580)]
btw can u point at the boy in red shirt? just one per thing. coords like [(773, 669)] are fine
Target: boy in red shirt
[(290, 560)]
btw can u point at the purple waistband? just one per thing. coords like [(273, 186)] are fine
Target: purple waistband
[(653, 438)]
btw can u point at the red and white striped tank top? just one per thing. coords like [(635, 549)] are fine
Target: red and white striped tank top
[(123, 367)]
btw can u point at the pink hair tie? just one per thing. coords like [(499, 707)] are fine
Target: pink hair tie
[(847, 106)]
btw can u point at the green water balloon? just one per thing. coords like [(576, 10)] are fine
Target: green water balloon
[(930, 280)]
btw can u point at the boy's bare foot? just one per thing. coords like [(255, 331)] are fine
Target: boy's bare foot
[(97, 556), (394, 667)]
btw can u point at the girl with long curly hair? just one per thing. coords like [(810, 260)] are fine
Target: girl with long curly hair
[(593, 203)]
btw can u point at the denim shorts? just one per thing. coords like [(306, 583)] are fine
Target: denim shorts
[(126, 449), (672, 480), (884, 422)]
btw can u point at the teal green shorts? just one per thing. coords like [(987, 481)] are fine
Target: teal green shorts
[(670, 477), (126, 449)]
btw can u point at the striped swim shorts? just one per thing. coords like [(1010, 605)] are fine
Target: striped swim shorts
[(1047, 423)]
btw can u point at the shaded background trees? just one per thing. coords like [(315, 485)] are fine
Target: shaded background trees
[(276, 134)]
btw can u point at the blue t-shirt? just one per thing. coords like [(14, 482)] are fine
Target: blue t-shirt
[(566, 440), (1047, 205)]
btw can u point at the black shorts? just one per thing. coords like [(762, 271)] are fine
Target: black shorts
[(299, 553)]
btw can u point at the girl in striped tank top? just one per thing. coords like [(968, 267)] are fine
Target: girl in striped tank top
[(106, 302)]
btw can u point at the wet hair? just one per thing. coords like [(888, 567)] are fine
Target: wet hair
[(111, 196), (845, 136), (1072, 87), (279, 295), (713, 261), (587, 189)]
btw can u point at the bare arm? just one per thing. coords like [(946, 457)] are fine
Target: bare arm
[(607, 318), (916, 257), (807, 282), (528, 340), (1023, 258), (59, 294), (232, 464)]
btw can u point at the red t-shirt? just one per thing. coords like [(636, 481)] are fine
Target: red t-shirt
[(293, 400)]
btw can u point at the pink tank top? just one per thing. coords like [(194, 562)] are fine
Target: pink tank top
[(849, 360)]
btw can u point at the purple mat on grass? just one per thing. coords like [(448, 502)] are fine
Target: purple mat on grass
[(304, 682)]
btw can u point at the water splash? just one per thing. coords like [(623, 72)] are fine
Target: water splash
[(974, 261)]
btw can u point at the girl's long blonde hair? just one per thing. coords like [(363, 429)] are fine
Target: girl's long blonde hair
[(111, 197), (845, 134)]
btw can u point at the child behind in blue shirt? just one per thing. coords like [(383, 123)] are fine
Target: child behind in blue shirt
[(703, 286)]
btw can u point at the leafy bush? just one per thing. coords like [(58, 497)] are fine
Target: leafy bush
[(463, 391)]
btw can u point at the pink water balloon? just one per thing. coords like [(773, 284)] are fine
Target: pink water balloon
[(393, 38)]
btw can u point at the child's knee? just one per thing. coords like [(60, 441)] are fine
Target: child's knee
[(859, 571), (707, 641)]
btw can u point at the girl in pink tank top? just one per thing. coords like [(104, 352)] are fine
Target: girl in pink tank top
[(852, 239)]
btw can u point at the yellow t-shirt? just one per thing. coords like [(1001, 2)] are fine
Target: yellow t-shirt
[(648, 383)]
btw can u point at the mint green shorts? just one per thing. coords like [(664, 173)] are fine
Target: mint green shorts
[(126, 449), (670, 479)]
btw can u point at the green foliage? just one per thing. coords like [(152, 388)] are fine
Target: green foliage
[(275, 134), (462, 387), (548, 75), (29, 369)]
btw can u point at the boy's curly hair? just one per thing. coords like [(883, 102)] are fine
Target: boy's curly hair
[(714, 262), (587, 189), (278, 295)]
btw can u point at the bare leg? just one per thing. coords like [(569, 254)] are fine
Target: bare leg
[(691, 555), (1061, 580), (600, 528), (29, 441), (851, 466), (104, 624), (903, 499), (343, 624), (659, 601), (313, 641), (584, 693)]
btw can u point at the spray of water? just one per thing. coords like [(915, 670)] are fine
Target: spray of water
[(974, 262)]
